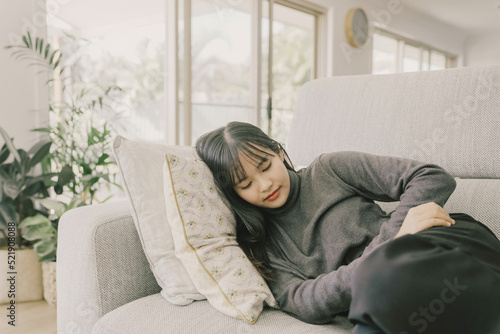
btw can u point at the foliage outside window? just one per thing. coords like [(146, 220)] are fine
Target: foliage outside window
[(126, 55)]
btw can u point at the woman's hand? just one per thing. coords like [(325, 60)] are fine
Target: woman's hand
[(424, 216)]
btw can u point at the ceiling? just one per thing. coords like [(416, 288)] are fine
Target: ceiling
[(469, 16), (91, 14)]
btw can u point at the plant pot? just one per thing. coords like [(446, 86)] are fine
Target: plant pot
[(49, 283), (27, 280)]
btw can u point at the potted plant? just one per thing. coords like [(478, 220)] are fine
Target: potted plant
[(79, 153), (23, 186), (42, 229)]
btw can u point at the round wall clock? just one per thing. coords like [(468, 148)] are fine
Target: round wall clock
[(357, 27)]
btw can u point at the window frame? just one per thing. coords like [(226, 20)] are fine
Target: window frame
[(451, 59)]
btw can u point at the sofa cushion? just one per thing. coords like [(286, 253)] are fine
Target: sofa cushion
[(449, 118), (141, 167), (204, 231), (152, 314)]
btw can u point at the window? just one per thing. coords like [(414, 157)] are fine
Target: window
[(186, 67), (121, 46), (393, 54), (233, 59), (221, 66)]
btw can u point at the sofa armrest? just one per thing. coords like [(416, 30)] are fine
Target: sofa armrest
[(100, 265)]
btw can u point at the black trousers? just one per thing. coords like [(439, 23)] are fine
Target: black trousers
[(442, 280)]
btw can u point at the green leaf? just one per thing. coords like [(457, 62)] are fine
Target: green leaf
[(65, 175), (45, 192), (25, 40), (27, 207), (4, 153), (93, 137), (11, 188), (48, 258), (86, 168), (51, 60), (33, 188), (41, 46), (107, 198), (47, 50), (36, 227), (25, 161), (102, 159), (44, 178), (42, 130), (7, 214), (40, 150), (4, 176), (10, 145), (117, 185), (37, 220), (30, 40), (45, 247), (57, 62), (50, 204), (58, 189)]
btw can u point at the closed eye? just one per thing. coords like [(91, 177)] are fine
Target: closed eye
[(248, 186)]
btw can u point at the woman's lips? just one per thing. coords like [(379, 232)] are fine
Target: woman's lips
[(275, 194)]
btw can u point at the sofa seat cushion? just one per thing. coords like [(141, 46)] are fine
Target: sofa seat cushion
[(153, 314)]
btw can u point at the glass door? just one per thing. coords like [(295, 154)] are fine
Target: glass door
[(241, 60), (288, 61), (221, 64)]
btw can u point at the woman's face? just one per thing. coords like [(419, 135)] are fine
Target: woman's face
[(265, 186)]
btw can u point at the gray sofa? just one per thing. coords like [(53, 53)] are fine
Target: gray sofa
[(450, 117)]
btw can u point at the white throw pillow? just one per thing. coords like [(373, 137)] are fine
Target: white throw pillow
[(141, 167), (204, 231)]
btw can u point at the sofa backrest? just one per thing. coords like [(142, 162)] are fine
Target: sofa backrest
[(450, 118)]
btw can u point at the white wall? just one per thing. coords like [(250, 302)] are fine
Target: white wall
[(483, 49), (23, 94), (391, 15)]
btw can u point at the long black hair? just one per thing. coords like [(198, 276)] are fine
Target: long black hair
[(220, 150)]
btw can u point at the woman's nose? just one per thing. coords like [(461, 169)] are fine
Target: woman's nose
[(265, 184)]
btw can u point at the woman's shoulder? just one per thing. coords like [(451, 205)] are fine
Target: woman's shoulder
[(331, 162), (335, 157), (321, 159), (323, 162)]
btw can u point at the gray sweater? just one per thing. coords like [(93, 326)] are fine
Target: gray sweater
[(330, 222)]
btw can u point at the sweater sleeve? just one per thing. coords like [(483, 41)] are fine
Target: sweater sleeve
[(315, 301), (381, 178), (390, 179)]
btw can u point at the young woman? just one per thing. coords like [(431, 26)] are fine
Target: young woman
[(326, 248)]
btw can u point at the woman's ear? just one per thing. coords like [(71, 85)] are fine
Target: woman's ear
[(282, 156)]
